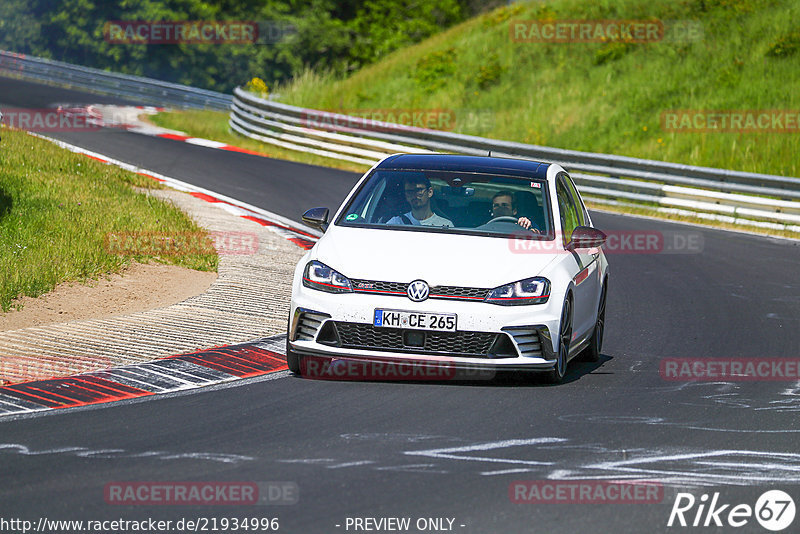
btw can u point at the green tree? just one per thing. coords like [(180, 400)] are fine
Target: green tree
[(339, 36)]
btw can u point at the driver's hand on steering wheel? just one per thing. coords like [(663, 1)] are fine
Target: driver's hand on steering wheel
[(526, 223)]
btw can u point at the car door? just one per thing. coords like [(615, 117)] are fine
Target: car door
[(585, 277)]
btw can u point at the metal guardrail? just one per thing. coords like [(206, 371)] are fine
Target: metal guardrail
[(142, 90), (730, 196)]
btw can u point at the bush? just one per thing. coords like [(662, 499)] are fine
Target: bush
[(258, 87), (611, 51), (489, 73), (432, 71), (785, 46)]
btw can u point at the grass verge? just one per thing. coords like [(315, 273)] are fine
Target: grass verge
[(607, 97), (57, 210)]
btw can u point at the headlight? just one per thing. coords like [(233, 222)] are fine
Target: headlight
[(319, 276), (528, 291)]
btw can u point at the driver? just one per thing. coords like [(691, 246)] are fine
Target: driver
[(418, 192), (504, 205)]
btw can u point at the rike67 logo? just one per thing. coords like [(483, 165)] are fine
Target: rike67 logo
[(774, 510)]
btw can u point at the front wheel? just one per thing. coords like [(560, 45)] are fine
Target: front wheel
[(557, 373), (592, 352), (292, 358)]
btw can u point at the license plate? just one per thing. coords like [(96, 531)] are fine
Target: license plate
[(445, 322)]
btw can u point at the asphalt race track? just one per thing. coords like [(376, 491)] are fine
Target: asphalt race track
[(440, 449)]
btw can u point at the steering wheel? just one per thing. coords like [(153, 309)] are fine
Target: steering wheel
[(504, 218)]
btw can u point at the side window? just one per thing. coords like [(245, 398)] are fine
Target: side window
[(567, 209), (580, 208)]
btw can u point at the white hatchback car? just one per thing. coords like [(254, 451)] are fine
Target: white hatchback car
[(472, 261)]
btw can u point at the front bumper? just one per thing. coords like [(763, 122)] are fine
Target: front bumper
[(488, 336)]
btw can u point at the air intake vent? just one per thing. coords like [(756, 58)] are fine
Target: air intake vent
[(308, 325), (527, 340)]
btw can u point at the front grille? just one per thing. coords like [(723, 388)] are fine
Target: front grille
[(367, 336), (455, 292), (436, 292), (372, 286)]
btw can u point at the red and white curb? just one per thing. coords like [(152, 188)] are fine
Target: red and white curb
[(199, 141), (174, 373), (286, 228), (127, 118)]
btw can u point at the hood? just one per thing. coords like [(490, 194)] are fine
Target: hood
[(437, 258)]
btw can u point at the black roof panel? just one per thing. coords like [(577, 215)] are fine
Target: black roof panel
[(479, 164)]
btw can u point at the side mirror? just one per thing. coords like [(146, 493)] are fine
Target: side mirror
[(587, 237), (317, 218)]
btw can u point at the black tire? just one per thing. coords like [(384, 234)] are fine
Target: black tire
[(292, 359), (556, 375), (592, 352)]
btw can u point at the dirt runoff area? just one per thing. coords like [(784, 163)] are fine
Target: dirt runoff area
[(138, 288)]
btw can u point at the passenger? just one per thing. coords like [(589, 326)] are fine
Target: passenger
[(418, 193)]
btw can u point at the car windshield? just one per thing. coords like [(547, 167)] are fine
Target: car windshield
[(439, 201)]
